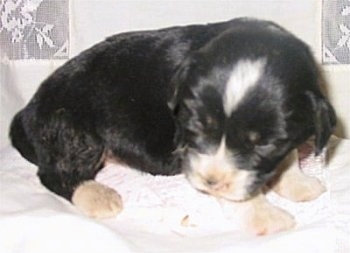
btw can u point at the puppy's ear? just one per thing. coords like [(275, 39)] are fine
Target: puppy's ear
[(324, 120), (177, 83)]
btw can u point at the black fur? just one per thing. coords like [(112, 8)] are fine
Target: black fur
[(134, 97)]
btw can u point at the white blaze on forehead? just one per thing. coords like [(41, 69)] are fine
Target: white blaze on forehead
[(244, 76)]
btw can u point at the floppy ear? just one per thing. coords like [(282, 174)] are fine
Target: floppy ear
[(177, 83), (324, 120)]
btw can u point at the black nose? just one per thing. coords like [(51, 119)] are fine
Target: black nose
[(216, 184), (211, 181)]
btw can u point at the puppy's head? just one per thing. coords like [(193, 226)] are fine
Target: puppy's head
[(244, 102)]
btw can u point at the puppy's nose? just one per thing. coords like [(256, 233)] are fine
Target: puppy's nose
[(211, 181), (216, 184)]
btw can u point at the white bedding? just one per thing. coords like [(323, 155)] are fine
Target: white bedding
[(165, 214)]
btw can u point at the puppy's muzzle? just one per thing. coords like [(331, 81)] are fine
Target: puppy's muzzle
[(232, 185)]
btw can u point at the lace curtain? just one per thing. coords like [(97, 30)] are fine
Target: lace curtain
[(39, 29), (336, 31), (34, 29)]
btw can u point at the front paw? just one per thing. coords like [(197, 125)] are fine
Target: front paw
[(97, 200), (305, 189), (268, 220)]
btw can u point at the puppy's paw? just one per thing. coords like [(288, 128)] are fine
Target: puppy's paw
[(305, 189), (268, 220), (97, 200)]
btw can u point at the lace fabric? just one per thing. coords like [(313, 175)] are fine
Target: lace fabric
[(336, 31), (34, 29), (39, 29)]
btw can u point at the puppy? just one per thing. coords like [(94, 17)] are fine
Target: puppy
[(224, 103)]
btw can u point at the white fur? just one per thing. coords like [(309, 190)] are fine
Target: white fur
[(260, 217), (232, 183), (203, 163), (293, 184), (97, 200), (244, 76)]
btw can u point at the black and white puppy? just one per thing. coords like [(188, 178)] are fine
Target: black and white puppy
[(225, 103)]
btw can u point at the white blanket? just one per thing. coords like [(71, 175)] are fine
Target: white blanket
[(165, 214)]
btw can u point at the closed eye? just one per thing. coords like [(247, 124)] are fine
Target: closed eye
[(254, 138), (211, 123)]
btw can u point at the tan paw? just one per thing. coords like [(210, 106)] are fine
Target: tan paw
[(268, 220), (304, 189), (97, 200)]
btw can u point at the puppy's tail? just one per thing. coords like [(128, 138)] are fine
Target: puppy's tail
[(19, 139)]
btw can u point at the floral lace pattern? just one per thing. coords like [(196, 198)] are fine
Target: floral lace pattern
[(39, 29), (336, 31), (34, 29), (155, 201)]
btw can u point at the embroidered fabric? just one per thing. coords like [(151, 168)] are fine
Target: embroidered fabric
[(165, 214), (34, 29), (174, 202), (336, 31)]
